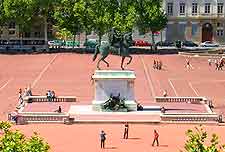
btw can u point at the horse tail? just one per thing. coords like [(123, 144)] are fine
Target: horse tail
[(96, 52)]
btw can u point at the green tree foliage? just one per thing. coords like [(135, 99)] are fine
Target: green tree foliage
[(20, 11), (15, 141), (82, 8), (197, 141), (2, 14), (100, 16), (125, 16), (63, 34), (45, 11), (151, 17), (36, 144), (68, 17)]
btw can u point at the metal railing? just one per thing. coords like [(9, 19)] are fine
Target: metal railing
[(208, 15)]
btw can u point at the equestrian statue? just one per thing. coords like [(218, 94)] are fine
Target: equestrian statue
[(118, 44)]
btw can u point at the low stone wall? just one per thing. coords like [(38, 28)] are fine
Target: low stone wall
[(189, 117), (25, 118), (195, 100), (45, 99)]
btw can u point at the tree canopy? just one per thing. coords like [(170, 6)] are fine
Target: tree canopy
[(197, 140), (20, 11), (151, 17), (15, 141), (88, 15)]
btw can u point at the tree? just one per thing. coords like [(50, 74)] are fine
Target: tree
[(151, 17), (196, 141), (100, 17), (21, 12), (125, 17), (15, 141), (67, 17), (82, 8), (45, 11), (2, 13), (63, 34)]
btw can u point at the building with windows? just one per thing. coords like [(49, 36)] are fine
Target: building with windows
[(11, 35), (195, 20)]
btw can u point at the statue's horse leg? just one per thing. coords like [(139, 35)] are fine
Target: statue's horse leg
[(102, 58), (130, 59), (123, 57), (99, 60), (105, 62)]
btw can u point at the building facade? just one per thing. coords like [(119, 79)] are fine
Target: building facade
[(10, 34), (195, 20)]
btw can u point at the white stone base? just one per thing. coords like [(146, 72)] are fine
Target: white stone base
[(132, 105)]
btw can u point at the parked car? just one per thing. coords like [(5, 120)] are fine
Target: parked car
[(51, 43), (141, 43), (165, 43), (189, 44), (90, 43), (209, 44), (72, 43)]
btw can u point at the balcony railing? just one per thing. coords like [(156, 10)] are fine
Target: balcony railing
[(203, 15)]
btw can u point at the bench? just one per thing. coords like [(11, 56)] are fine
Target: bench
[(30, 99), (195, 100)]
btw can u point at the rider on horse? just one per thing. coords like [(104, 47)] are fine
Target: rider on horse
[(115, 39), (119, 44)]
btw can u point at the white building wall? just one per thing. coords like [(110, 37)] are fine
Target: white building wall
[(189, 19)]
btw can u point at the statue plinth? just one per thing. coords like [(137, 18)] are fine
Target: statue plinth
[(114, 82)]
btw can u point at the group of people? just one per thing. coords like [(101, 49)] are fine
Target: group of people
[(157, 64), (50, 95), (22, 95), (125, 136), (219, 63)]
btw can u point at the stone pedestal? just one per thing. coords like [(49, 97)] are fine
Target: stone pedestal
[(114, 82)]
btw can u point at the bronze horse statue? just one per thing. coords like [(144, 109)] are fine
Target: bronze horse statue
[(118, 45)]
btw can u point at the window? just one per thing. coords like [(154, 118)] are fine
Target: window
[(27, 34), (220, 32), (207, 8), (12, 25), (220, 8), (181, 27), (170, 9), (37, 34), (12, 32), (194, 29), (182, 8), (194, 8), (219, 24)]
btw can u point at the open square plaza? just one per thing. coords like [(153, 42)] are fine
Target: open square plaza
[(70, 74)]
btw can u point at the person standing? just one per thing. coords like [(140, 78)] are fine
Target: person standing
[(188, 64), (156, 138), (125, 135), (102, 138), (165, 93), (210, 62)]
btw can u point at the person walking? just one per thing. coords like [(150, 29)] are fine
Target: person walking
[(156, 138), (102, 138), (125, 135)]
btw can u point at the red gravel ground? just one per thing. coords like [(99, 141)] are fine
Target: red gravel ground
[(85, 137), (70, 74)]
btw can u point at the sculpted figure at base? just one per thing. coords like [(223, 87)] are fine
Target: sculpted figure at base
[(118, 43)]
